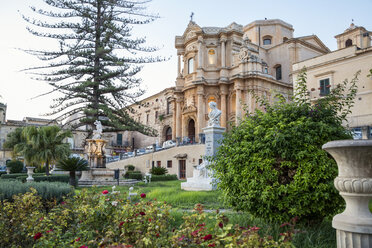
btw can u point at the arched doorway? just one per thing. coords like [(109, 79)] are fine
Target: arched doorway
[(168, 134), (191, 130)]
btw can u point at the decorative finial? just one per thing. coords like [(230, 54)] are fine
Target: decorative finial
[(191, 16)]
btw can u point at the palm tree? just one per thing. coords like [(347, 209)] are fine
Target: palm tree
[(72, 165), (51, 145), (44, 145)]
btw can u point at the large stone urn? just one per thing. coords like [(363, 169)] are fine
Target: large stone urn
[(30, 172), (354, 181)]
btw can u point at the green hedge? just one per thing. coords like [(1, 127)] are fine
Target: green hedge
[(15, 166), (15, 175), (46, 190), (134, 175), (168, 177), (2, 173), (43, 178)]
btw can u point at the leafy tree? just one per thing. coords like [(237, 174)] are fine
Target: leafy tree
[(15, 166), (72, 165), (273, 165), (12, 139), (97, 62)]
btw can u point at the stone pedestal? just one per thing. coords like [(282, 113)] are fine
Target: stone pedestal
[(354, 181), (30, 172), (97, 173), (202, 177)]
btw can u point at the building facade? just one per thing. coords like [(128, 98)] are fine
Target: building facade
[(354, 53), (225, 64)]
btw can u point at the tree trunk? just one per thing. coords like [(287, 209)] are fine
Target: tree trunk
[(47, 168), (72, 179)]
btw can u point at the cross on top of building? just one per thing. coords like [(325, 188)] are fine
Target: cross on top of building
[(191, 16)]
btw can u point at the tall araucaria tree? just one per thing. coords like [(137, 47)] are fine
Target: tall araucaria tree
[(97, 62)]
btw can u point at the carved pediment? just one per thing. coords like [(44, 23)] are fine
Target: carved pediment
[(188, 109)]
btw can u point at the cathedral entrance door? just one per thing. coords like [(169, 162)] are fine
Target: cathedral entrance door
[(191, 131)]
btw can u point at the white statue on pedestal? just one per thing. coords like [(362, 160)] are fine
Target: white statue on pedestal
[(214, 115), (97, 134)]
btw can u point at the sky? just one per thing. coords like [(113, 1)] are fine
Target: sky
[(19, 91)]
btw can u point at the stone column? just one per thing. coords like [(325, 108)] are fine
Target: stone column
[(178, 119), (179, 66), (200, 52), (354, 181), (201, 110), (238, 114), (223, 52), (174, 126), (223, 93)]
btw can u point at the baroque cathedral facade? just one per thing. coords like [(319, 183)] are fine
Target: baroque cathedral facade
[(224, 65)]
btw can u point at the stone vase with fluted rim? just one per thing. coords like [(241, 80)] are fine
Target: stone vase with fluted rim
[(354, 182), (30, 172)]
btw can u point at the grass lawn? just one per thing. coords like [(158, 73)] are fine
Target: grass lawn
[(170, 191), (321, 235)]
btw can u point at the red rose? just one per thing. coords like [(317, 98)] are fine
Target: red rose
[(49, 231), (220, 225), (77, 240), (63, 203), (212, 245), (83, 246), (121, 223), (142, 213), (150, 220), (207, 237), (105, 192), (143, 195), (37, 236), (157, 235), (255, 228)]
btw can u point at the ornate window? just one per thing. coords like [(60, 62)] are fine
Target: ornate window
[(190, 65), (212, 57)]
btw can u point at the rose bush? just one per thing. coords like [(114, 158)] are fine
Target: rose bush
[(90, 219)]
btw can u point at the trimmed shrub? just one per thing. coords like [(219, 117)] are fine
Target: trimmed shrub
[(46, 190), (44, 178), (272, 165), (130, 167), (133, 175), (158, 171), (2, 173), (155, 178), (16, 166), (15, 175)]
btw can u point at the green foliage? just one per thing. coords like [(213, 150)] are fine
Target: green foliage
[(158, 171), (46, 190), (155, 178), (12, 139), (107, 219), (15, 166), (130, 167), (273, 166), (96, 65), (2, 173), (72, 165), (133, 175), (15, 175)]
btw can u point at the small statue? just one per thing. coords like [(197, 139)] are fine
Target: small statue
[(97, 134), (214, 115)]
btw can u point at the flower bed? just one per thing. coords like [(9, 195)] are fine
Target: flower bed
[(108, 219)]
